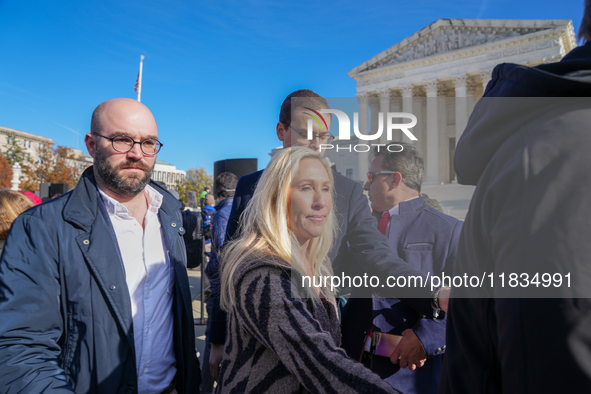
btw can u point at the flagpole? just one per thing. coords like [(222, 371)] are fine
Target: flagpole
[(139, 89)]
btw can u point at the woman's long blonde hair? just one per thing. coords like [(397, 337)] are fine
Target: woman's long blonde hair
[(264, 232)]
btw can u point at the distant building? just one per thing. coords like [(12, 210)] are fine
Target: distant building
[(32, 143), (28, 141), (168, 174), (82, 162)]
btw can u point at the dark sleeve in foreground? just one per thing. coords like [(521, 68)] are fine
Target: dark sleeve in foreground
[(374, 256), (244, 190), (31, 324), (267, 310), (519, 222), (193, 237)]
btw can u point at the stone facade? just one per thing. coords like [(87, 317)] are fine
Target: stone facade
[(168, 174), (31, 143), (440, 72), (28, 141)]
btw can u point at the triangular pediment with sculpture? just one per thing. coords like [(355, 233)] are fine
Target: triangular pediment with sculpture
[(446, 35)]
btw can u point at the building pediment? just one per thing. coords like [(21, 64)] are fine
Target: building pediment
[(449, 35)]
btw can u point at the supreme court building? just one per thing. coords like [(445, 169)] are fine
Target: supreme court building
[(438, 74)]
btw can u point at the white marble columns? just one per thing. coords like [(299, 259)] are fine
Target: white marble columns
[(407, 96), (363, 158), (435, 141), (460, 84), (384, 95), (374, 105), (486, 77), (432, 134)]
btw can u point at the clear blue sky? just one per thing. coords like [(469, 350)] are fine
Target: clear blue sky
[(215, 72)]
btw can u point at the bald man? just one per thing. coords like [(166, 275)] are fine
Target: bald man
[(94, 295)]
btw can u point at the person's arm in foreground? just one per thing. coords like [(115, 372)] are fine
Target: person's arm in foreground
[(31, 323)]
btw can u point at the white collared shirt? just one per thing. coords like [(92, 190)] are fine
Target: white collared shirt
[(148, 274)]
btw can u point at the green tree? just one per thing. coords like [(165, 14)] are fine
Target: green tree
[(15, 153), (196, 180)]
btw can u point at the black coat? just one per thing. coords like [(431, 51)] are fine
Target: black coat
[(527, 149)]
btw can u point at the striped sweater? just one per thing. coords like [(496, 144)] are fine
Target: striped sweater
[(279, 343)]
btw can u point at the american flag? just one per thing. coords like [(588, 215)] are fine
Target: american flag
[(137, 82)]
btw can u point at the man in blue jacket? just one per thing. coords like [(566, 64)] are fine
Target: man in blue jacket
[(94, 295), (427, 240)]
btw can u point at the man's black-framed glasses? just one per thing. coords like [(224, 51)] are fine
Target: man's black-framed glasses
[(123, 144), (324, 138), (370, 175)]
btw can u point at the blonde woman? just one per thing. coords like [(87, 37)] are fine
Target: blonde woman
[(12, 204), (283, 337)]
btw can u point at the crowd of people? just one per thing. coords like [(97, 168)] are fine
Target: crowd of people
[(95, 297)]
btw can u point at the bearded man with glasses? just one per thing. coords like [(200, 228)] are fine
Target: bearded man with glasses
[(94, 294), (124, 144)]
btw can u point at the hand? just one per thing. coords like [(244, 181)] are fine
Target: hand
[(409, 352), (215, 358), (444, 298)]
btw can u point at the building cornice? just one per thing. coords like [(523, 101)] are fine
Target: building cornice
[(438, 38), (25, 135), (544, 45)]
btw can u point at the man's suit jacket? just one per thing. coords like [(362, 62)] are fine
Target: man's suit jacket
[(358, 243), (427, 240)]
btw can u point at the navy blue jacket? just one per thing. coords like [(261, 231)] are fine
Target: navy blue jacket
[(426, 239), (358, 243), (66, 323), (526, 148), (218, 236)]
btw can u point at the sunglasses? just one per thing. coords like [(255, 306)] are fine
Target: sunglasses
[(370, 175)]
